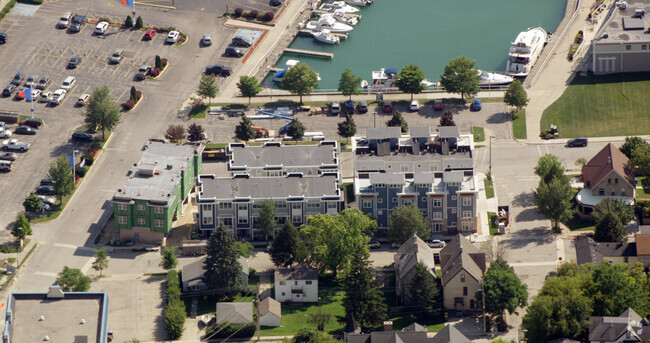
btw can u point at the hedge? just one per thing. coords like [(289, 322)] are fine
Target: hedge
[(7, 8), (32, 2)]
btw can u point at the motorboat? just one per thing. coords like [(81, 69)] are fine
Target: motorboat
[(277, 77), (327, 22), (525, 50), (382, 79), (359, 2), (326, 36), (340, 6), (345, 18), (488, 79)]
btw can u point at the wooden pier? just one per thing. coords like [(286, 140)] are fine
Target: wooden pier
[(327, 55)]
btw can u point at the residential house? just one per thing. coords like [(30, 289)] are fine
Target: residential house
[(621, 44), (590, 251), (192, 275), (270, 312), (414, 333), (156, 192), (643, 249), (297, 284), (56, 316), (628, 327), (462, 266), (606, 175), (274, 159), (449, 334), (235, 202), (235, 312), (435, 172), (412, 252)]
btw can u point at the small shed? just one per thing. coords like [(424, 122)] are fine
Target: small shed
[(270, 312)]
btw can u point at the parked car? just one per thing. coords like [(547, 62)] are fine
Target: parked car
[(20, 95), (46, 182), (116, 57), (5, 166), (68, 83), (8, 156), (14, 144), (3, 38), (363, 106), (476, 105), (36, 93), (58, 96), (32, 122), (374, 244), (349, 106), (436, 243), (64, 20), (46, 97), (388, 106), (207, 39), (45, 190), (82, 136), (172, 37), (8, 90), (101, 28), (578, 141), (149, 35), (437, 105), (25, 130), (5, 134), (143, 72), (275, 3), (241, 41), (74, 62), (47, 200), (82, 99), (77, 23), (18, 79), (234, 52), (415, 105), (335, 108), (31, 81), (43, 82)]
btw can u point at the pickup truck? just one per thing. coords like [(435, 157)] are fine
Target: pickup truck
[(143, 72), (14, 144)]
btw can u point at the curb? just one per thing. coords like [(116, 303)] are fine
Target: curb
[(131, 110), (159, 75)]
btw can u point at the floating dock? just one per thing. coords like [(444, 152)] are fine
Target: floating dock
[(310, 33), (319, 12), (327, 55)]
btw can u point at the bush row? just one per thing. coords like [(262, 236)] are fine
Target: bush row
[(175, 312), (31, 2), (225, 329), (254, 14), (7, 8)]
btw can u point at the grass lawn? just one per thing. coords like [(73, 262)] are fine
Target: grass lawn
[(519, 124), (294, 318), (578, 224), (55, 211), (609, 105), (643, 192), (198, 112), (492, 218), (479, 133), (489, 188)]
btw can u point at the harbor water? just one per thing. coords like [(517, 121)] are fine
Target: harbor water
[(427, 33)]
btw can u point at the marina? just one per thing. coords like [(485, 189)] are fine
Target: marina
[(311, 53)]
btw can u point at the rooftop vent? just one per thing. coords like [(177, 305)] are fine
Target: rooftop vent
[(170, 166), (46, 338), (41, 318), (639, 12), (83, 321)]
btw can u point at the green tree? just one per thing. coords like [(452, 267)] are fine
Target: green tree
[(169, 259), (423, 293), (549, 168), (244, 131), (349, 83), (296, 130), (285, 246), (308, 335), (641, 159), (613, 289), (631, 143), (101, 112), (503, 289), (554, 200), (21, 227), (175, 133), (134, 94), (249, 87), (138, 23), (363, 299), (320, 319), (410, 80), (195, 132), (129, 21), (460, 76), (398, 120), (266, 222), (623, 212), (516, 96), (333, 239), (300, 80), (581, 162), (62, 179), (609, 229), (101, 261), (72, 280), (404, 222), (175, 318), (32, 203), (208, 87), (347, 128), (222, 269), (244, 249), (158, 62)]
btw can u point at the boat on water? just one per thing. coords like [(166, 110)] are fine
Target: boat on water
[(525, 50), (381, 79), (326, 36), (340, 6), (488, 79), (345, 18), (277, 77), (359, 2), (327, 22)]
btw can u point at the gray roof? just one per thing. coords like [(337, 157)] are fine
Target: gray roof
[(286, 155), (325, 185), (388, 178), (236, 313), (449, 334), (610, 329), (420, 131), (383, 132), (461, 254), (590, 251), (412, 252), (448, 132), (299, 272), (623, 27), (270, 305), (195, 269), (389, 337), (415, 327), (452, 176), (423, 178)]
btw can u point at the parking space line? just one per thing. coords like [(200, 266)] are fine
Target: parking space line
[(47, 56), (85, 90), (68, 95), (34, 55), (121, 95), (63, 53), (105, 66), (131, 34)]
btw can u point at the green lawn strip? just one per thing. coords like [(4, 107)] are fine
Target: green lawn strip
[(608, 105), (489, 188), (206, 305), (578, 224), (55, 211), (493, 219), (479, 133), (198, 112), (642, 192), (519, 124), (216, 145)]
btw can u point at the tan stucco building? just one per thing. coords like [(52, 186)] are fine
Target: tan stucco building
[(463, 266)]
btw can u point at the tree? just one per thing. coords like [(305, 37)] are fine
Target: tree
[(398, 120), (641, 159), (616, 207), (300, 80), (308, 335), (581, 162), (284, 248), (347, 128), (101, 112), (549, 168), (410, 80), (138, 23), (158, 62), (334, 239), (101, 261), (222, 269), (244, 249), (447, 119), (320, 319), (460, 76), (244, 131), (296, 130), (609, 229), (21, 228), (175, 133), (195, 132), (423, 293), (72, 280), (349, 84), (62, 179), (266, 222), (134, 94), (631, 143), (32, 203), (405, 221), (169, 259), (516, 96), (554, 200), (503, 289), (249, 87), (175, 318), (207, 87), (129, 21), (363, 299)]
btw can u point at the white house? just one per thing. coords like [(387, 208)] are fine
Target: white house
[(270, 312), (298, 284)]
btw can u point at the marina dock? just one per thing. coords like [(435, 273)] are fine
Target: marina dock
[(326, 55), (319, 12), (309, 33)]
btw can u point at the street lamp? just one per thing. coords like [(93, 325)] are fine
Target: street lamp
[(374, 117), (74, 171), (20, 229), (490, 171)]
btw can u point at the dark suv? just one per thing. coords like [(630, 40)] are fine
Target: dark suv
[(8, 89), (82, 136), (230, 51), (241, 41), (3, 38), (77, 23), (578, 141), (33, 122), (218, 69)]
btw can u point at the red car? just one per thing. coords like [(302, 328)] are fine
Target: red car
[(33, 122), (149, 34), (437, 105), (388, 106)]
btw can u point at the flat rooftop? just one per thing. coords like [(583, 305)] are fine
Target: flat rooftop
[(325, 185), (626, 25), (283, 155)]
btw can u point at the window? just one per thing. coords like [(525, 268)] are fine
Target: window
[(601, 191), (158, 210), (462, 277), (295, 205), (121, 219), (280, 220), (453, 210), (404, 168), (227, 222), (626, 259), (282, 293), (380, 212), (644, 46), (280, 204), (437, 202), (308, 282), (464, 290), (256, 205), (424, 213), (606, 64), (453, 197), (467, 201), (282, 283), (296, 219), (616, 180), (313, 205), (467, 214), (424, 199), (121, 207), (242, 207), (436, 227), (380, 200), (623, 193), (159, 222), (225, 205), (366, 203), (207, 220), (471, 303), (437, 216), (242, 220), (613, 193), (609, 180), (394, 199), (628, 47), (206, 207), (453, 224), (141, 207), (142, 221), (295, 283), (466, 227)]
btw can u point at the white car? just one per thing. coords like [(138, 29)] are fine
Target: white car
[(36, 93), (101, 27), (45, 97), (68, 83), (5, 134), (83, 98), (172, 37), (207, 39), (58, 96), (415, 105)]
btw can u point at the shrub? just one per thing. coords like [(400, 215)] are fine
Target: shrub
[(32, 2), (95, 145), (89, 159), (138, 23), (128, 105), (138, 96), (579, 38), (157, 71), (158, 63), (268, 16), (572, 51), (81, 171), (154, 72), (133, 96), (238, 12), (253, 14), (128, 22), (225, 329), (164, 63)]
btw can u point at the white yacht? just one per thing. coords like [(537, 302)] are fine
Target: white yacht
[(487, 79), (340, 6), (359, 2), (381, 79), (326, 36), (327, 22), (525, 50), (345, 18)]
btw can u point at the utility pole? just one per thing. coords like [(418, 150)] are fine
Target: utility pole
[(483, 298), (257, 301)]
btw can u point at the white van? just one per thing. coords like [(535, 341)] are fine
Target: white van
[(5, 166), (68, 83)]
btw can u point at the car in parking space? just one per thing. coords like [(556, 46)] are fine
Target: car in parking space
[(149, 35), (349, 106), (82, 136), (77, 23), (578, 141), (43, 82), (45, 97), (25, 130), (68, 83), (45, 190), (275, 2), (8, 156), (64, 20), (18, 79), (82, 99), (363, 106), (437, 105), (74, 62), (36, 93), (5, 134), (3, 38), (374, 244), (172, 37), (5, 166), (218, 69), (388, 106), (58, 96), (234, 52), (14, 144), (47, 200), (143, 72), (116, 57), (20, 95), (33, 122), (206, 40), (414, 106), (31, 81), (101, 28), (436, 243), (241, 41), (476, 105), (10, 88), (335, 108), (46, 182)]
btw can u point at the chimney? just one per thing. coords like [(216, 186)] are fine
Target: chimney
[(388, 326)]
